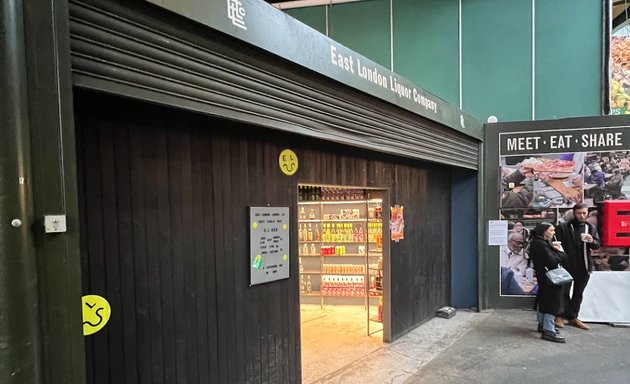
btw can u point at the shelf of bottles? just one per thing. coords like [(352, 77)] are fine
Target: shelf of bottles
[(340, 237)]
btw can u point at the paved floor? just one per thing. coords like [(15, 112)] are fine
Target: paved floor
[(494, 346)]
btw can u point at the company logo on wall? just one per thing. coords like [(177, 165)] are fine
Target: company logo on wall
[(236, 13)]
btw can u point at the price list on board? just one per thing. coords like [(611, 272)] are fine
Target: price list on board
[(269, 244)]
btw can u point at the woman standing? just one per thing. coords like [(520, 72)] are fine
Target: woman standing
[(550, 298)]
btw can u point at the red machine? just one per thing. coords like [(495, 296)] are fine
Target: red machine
[(615, 225)]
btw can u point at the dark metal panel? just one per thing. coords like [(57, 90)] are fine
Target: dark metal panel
[(139, 52), (22, 341), (39, 273)]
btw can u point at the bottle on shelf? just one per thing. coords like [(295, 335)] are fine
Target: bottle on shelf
[(309, 285), (301, 233), (302, 284), (309, 233), (311, 214), (378, 211), (301, 266), (302, 213), (305, 249), (313, 250)]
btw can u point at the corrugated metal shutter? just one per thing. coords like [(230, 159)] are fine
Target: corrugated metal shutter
[(143, 52)]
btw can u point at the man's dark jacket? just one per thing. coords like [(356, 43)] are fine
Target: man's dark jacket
[(574, 247)]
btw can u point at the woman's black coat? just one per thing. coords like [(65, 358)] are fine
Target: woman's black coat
[(550, 297)]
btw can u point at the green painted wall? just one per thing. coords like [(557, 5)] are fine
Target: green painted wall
[(363, 27), (568, 58), (497, 58), (426, 45), (314, 17)]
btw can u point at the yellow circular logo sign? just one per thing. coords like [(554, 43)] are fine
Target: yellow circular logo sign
[(288, 162), (96, 312)]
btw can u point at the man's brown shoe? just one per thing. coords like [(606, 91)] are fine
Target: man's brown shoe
[(558, 322), (578, 324)]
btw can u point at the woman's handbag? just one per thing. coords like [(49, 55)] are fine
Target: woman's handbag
[(559, 276)]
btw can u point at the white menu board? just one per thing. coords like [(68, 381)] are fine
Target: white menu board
[(269, 244)]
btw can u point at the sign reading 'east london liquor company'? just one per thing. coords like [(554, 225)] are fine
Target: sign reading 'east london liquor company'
[(264, 26)]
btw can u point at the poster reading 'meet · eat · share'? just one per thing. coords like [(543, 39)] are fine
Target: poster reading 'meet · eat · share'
[(543, 174)]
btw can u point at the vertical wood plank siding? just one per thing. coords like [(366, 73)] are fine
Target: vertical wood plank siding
[(164, 237)]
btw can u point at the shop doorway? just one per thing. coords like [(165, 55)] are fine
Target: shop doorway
[(342, 265)]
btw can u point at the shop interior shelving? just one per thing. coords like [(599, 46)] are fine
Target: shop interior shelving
[(341, 255)]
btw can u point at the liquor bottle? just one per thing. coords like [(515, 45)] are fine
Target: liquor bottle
[(302, 284), (301, 233), (302, 213), (317, 234), (311, 215), (309, 285), (305, 249), (309, 233), (301, 266), (313, 250)]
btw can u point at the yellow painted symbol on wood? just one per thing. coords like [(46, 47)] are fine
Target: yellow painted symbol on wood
[(96, 313), (288, 161)]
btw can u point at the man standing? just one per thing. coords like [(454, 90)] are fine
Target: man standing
[(578, 239)]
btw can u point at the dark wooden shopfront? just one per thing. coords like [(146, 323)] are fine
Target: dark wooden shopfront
[(150, 135), (163, 205)]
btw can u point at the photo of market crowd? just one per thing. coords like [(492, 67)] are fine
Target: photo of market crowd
[(544, 189)]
